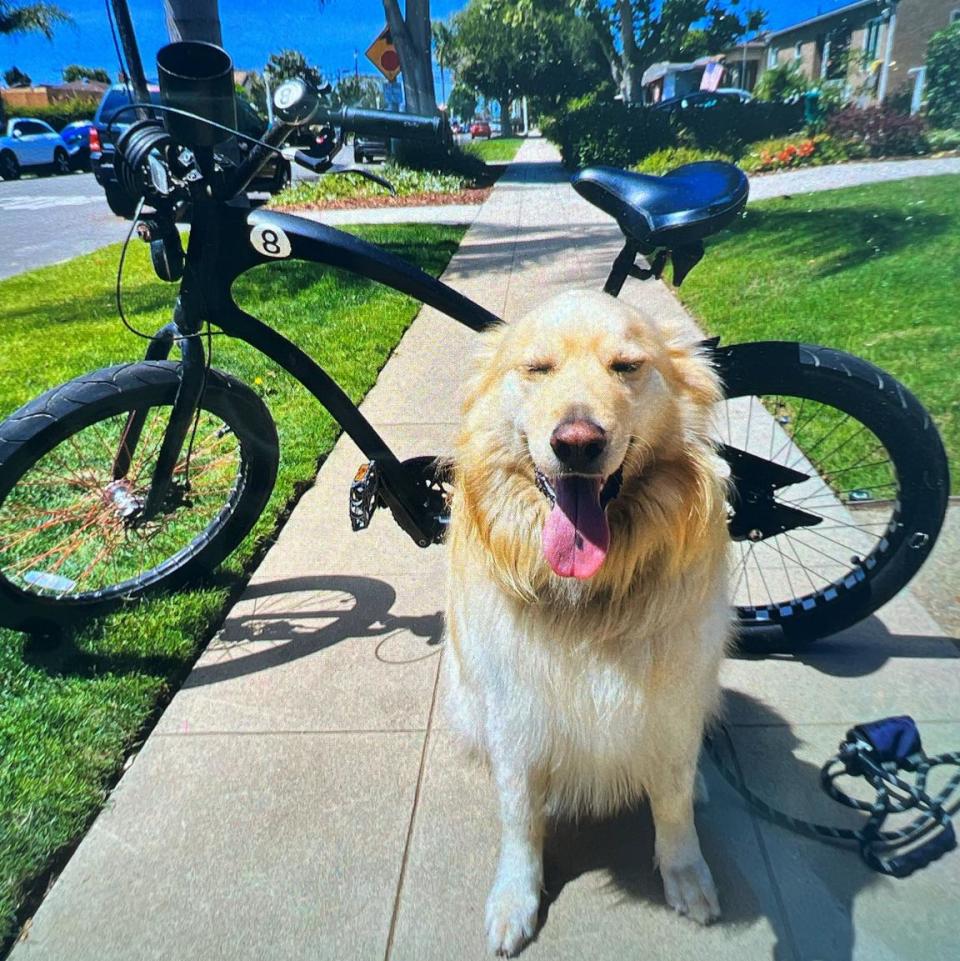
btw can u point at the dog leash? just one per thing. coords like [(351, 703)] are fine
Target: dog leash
[(879, 752)]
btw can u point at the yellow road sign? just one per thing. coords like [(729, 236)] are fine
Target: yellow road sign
[(383, 55)]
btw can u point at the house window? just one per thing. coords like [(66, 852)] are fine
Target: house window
[(955, 16), (798, 51), (871, 40), (772, 57)]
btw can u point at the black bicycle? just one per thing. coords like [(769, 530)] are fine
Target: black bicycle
[(141, 476)]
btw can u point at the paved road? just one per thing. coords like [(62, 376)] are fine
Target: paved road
[(44, 220)]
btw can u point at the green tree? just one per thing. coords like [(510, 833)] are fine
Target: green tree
[(76, 72), (288, 64), (504, 49), (462, 102), (15, 77), (943, 84), (633, 34), (31, 18), (354, 91)]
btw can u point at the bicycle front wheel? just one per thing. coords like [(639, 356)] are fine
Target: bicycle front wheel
[(842, 485), (73, 542)]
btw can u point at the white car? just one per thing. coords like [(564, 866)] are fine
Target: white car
[(28, 142)]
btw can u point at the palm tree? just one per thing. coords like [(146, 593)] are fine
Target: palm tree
[(31, 18)]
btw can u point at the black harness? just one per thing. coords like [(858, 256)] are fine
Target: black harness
[(880, 752)]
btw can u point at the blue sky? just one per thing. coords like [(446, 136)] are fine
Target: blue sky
[(252, 29)]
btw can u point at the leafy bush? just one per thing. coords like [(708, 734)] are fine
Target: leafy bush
[(786, 153), (785, 83), (58, 115), (663, 161), (596, 129), (878, 132), (948, 139), (729, 126), (943, 82)]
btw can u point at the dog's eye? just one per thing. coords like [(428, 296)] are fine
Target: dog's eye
[(539, 367), (626, 366)]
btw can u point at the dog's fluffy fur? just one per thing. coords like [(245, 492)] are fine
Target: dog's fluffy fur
[(586, 694)]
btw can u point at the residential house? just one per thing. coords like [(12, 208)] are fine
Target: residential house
[(875, 48)]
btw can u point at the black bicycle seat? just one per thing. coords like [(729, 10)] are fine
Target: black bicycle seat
[(675, 210)]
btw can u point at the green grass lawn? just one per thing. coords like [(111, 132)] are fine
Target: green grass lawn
[(498, 150), (69, 714), (872, 270)]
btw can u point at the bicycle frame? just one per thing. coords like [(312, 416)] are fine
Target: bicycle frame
[(228, 240)]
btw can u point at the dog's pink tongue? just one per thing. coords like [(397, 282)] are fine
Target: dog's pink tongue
[(576, 536)]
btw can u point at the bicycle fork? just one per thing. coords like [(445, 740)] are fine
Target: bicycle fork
[(185, 406)]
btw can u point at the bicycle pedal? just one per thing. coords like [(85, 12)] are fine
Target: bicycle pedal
[(364, 495)]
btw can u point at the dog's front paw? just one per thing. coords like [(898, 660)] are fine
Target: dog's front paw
[(512, 910), (690, 890)]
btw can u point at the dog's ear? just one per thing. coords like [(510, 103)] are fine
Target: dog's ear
[(695, 373)]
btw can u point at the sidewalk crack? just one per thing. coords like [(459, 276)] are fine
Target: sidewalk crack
[(413, 813)]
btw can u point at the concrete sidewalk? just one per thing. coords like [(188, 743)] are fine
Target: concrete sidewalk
[(301, 797)]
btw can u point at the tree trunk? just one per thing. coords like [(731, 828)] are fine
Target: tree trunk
[(193, 20), (411, 36), (630, 76), (505, 125)]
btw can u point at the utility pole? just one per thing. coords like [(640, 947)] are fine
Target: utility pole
[(131, 52)]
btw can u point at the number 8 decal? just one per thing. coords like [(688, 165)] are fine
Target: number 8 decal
[(270, 241)]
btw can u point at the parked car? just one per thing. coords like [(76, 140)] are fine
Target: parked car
[(76, 136), (273, 178), (479, 128), (367, 149), (701, 100), (28, 142)]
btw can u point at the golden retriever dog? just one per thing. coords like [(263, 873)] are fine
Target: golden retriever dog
[(587, 611)]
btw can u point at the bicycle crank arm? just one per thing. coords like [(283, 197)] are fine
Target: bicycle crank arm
[(425, 520)]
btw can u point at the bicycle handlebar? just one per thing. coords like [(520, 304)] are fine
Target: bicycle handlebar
[(400, 125)]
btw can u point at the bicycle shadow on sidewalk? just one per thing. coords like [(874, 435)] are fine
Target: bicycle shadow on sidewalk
[(305, 615), (814, 887), (302, 615)]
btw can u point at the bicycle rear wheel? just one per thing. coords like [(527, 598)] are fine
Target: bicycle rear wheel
[(857, 495), (72, 539)]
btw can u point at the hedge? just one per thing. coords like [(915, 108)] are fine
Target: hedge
[(59, 114), (594, 129)]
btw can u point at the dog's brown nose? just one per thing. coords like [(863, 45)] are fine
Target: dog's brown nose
[(578, 443)]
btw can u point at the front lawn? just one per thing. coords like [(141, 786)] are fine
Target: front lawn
[(69, 715), (872, 270), (500, 150)]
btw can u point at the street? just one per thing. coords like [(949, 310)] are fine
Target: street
[(44, 220)]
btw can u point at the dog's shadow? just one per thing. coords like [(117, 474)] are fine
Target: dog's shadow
[(760, 871)]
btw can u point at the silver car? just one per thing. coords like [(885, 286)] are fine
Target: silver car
[(28, 142)]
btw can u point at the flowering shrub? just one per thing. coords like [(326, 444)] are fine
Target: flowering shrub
[(786, 154), (878, 132)]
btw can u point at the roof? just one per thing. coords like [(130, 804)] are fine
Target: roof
[(840, 11)]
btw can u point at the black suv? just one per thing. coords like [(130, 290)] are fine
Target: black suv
[(273, 178)]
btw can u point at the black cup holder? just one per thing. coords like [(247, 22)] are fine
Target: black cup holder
[(197, 77)]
